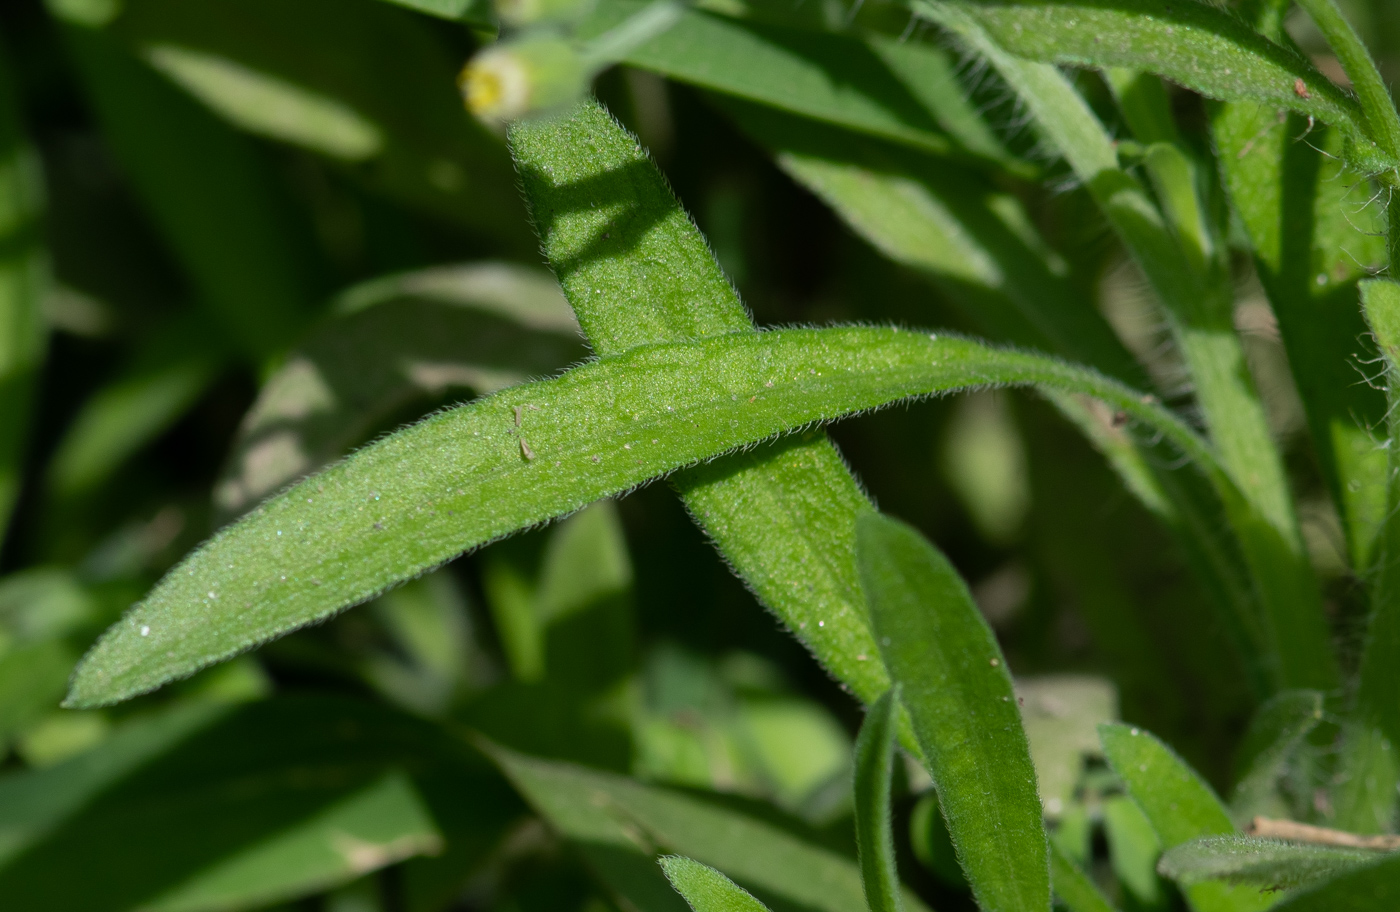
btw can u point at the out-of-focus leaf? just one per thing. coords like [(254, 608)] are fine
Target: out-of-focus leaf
[(428, 623), (1262, 862), (472, 10), (400, 341), (470, 475), (129, 412), (357, 81), (24, 280), (376, 826), (1179, 805), (956, 688), (309, 792), (905, 92), (874, 770), (928, 836), (1073, 887), (620, 825), (1365, 889), (707, 890), (1061, 715), (1133, 849), (1275, 732), (210, 195)]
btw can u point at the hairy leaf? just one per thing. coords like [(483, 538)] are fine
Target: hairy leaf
[(707, 890), (954, 684), (1263, 862), (621, 824), (401, 344), (1179, 805), (473, 474), (874, 835), (1193, 44)]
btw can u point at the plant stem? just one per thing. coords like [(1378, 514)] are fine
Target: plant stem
[(1376, 106)]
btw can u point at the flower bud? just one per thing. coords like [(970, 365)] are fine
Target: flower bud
[(513, 78)]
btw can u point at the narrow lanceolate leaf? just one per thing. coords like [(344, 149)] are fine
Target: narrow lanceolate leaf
[(211, 197), (1179, 805), (400, 345), (1197, 305), (874, 835), (957, 690), (619, 824), (1366, 889), (1260, 862), (1193, 44), (1275, 732), (473, 474), (783, 515), (707, 890), (1073, 887), (23, 280), (905, 92)]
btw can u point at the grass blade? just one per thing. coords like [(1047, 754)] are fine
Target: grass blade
[(1261, 862), (874, 835), (707, 890), (470, 475), (1073, 887), (1275, 732), (1179, 805), (956, 688)]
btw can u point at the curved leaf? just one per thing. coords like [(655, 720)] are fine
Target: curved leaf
[(1366, 889), (473, 474), (1263, 862), (874, 836), (1193, 44), (1179, 805), (956, 688), (707, 890)]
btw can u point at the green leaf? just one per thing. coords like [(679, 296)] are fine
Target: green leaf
[(707, 890), (906, 92), (620, 824), (1073, 887), (1133, 849), (24, 279), (369, 87), (1192, 44), (209, 194), (783, 514), (309, 792), (467, 476), (1275, 733), (1179, 805), (1197, 305), (400, 345), (1365, 889), (469, 10), (1261, 862), (956, 688), (133, 409), (874, 835)]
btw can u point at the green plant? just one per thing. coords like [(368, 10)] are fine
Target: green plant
[(256, 257)]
